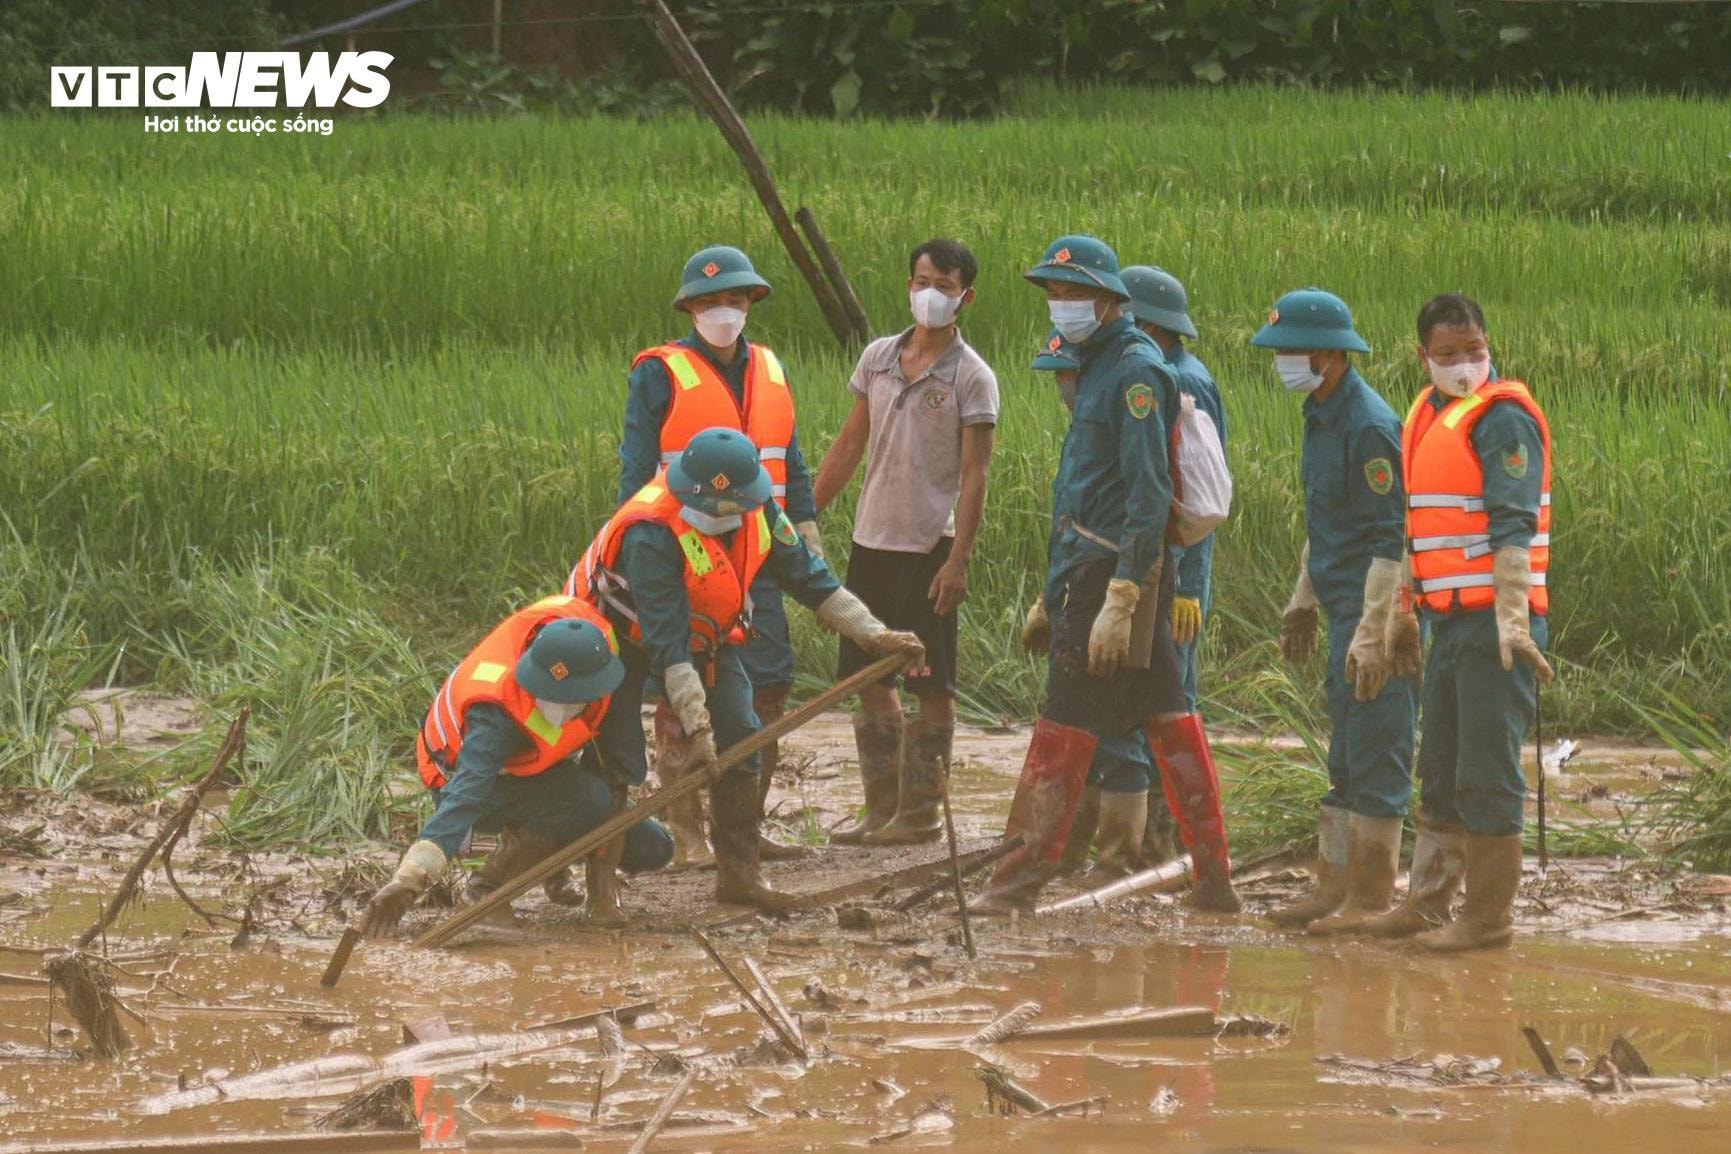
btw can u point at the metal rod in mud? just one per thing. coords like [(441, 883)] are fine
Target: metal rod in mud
[(781, 1031), (956, 867), (655, 803), (662, 1113)]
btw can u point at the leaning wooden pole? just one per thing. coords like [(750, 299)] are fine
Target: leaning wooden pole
[(658, 801), (831, 264), (714, 102)]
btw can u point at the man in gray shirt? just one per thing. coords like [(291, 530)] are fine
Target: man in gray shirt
[(925, 410)]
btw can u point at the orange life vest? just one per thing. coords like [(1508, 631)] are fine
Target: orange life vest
[(717, 578), (489, 674), (1448, 528), (701, 400)]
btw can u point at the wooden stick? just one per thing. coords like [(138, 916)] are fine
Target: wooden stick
[(340, 956), (831, 265), (975, 862), (1082, 1104), (713, 101), (736, 754), (781, 1031), (772, 998), (173, 827), (955, 867), (1542, 1052), (662, 1113)]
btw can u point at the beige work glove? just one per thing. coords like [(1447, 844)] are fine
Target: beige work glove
[(690, 704), (847, 615), (1036, 630), (812, 538), (1404, 641), (1368, 660), (1109, 639), (1298, 623), (423, 862), (1512, 578)]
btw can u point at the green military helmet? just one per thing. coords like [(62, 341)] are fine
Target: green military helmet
[(719, 474), (1158, 298), (571, 662), (716, 269), (1082, 260), (1057, 356), (1307, 320)]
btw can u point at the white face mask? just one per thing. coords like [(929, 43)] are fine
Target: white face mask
[(708, 525), (556, 713), (1461, 379), (1296, 374), (933, 308), (1075, 319), (720, 326)]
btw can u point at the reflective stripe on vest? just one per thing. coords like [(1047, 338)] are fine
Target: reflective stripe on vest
[(701, 400), (1468, 581)]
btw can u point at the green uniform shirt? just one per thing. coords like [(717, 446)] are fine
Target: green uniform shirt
[(1354, 500)]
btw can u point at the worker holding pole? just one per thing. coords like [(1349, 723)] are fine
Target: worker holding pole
[(673, 570), (1107, 600), (715, 378), (924, 414), (1478, 480), (1351, 568), (512, 744)]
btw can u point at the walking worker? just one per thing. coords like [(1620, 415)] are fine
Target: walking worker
[(715, 378), (509, 745), (673, 570), (925, 410), (1115, 809), (1109, 669), (1478, 480), (1351, 567)]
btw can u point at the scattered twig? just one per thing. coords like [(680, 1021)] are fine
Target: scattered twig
[(387, 1107), (781, 1031), (788, 1020), (663, 1112), (971, 864), (1082, 1104), (955, 867)]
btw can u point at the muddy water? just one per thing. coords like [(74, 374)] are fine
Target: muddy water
[(1348, 999)]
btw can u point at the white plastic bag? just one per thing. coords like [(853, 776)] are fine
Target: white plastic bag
[(1202, 482)]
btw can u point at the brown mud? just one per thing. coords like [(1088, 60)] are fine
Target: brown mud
[(1389, 1048)]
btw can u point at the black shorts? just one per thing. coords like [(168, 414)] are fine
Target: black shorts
[(1123, 701), (893, 586)]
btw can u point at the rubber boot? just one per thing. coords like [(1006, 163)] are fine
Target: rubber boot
[(1330, 888), (1493, 875), (684, 818), (1192, 783), (1439, 862), (1372, 860), (601, 878), (1160, 835), (769, 704), (925, 758), (1081, 840), (733, 801), (518, 850), (1054, 776), (1123, 819), (878, 738), (560, 889)]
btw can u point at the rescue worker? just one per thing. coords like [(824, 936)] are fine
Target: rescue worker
[(1110, 668), (715, 378), (672, 570), (925, 405), (1122, 768), (1161, 307), (1477, 452), (1351, 568), (510, 745)]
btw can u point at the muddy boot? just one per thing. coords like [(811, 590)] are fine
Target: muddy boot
[(1054, 777), (1330, 888), (733, 801), (561, 891), (1075, 858), (1123, 819), (1372, 860), (1439, 862), (1493, 875), (770, 704), (601, 878), (920, 792), (684, 818), (1192, 784), (518, 850), (1160, 835), (878, 738)]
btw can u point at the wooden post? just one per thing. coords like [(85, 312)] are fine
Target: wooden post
[(826, 256), (714, 102)]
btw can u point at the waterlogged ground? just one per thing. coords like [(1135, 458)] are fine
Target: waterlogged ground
[(1388, 1049)]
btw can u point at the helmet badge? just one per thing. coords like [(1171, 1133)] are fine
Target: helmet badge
[(1062, 256), (711, 269), (559, 671), (720, 482)]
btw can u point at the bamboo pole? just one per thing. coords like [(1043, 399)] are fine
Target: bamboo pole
[(831, 265)]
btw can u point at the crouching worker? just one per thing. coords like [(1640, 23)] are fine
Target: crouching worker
[(509, 746), (671, 570)]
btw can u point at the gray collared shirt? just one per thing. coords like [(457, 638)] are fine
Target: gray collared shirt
[(914, 463)]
